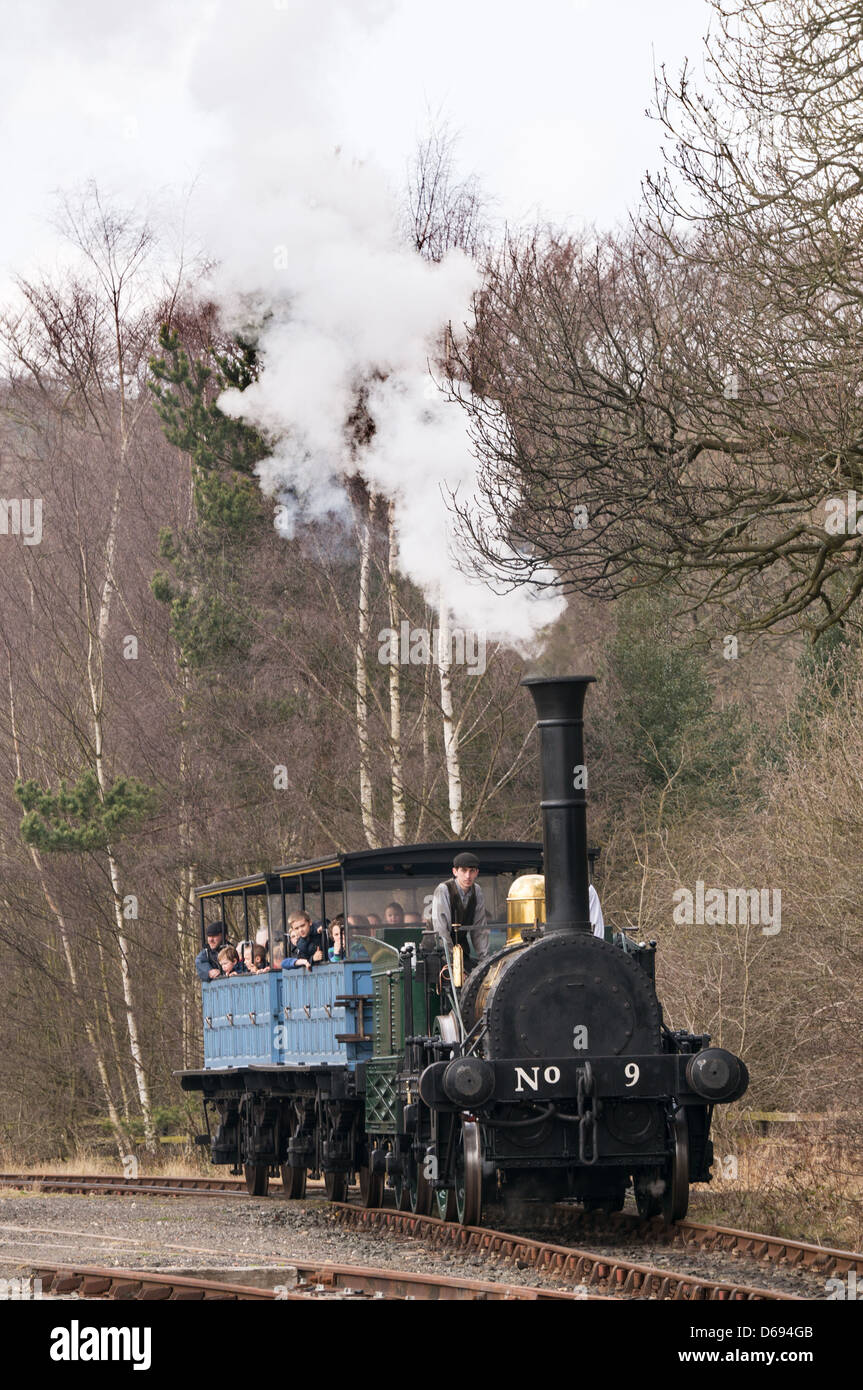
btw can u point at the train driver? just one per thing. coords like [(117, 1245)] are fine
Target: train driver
[(458, 904)]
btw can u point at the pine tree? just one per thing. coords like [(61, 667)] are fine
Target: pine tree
[(666, 711), (203, 581), (77, 819)]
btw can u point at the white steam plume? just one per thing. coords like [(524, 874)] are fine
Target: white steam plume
[(237, 97), (309, 238)]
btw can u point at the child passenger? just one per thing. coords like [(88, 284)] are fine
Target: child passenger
[(230, 962), (292, 961), (336, 952)]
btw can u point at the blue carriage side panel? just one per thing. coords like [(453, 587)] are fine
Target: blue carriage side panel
[(312, 1017), (241, 1018)]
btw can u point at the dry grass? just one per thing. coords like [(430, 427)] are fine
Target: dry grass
[(185, 1162), (806, 1184)]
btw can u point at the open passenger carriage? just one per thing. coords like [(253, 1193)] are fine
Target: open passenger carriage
[(292, 1058)]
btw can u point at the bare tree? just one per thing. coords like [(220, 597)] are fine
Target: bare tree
[(394, 615), (83, 346), (684, 402), (445, 213), (120, 1132)]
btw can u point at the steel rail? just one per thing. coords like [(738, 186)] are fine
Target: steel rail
[(114, 1185), (574, 1266), (314, 1280), (709, 1236)]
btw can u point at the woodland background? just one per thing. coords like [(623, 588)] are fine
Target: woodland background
[(693, 382)]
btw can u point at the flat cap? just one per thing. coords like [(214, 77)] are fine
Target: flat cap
[(465, 861)]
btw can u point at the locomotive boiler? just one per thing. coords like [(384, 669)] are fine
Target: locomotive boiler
[(549, 1073)]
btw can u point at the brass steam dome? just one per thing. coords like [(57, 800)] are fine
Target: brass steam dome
[(525, 904)]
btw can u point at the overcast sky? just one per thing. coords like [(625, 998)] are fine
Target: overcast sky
[(549, 98), (279, 129)]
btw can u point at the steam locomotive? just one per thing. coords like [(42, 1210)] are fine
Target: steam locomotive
[(547, 1073)]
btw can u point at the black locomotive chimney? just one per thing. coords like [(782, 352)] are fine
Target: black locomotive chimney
[(559, 709)]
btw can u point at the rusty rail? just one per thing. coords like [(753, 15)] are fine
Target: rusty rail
[(312, 1280), (775, 1250), (114, 1185), (606, 1272)]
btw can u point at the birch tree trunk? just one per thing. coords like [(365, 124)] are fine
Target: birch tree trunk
[(95, 683), (425, 734), (365, 508), (121, 1136), (450, 726), (97, 345), (184, 909), (399, 810)]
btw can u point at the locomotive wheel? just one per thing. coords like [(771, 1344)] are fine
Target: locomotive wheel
[(648, 1197), (257, 1177), (293, 1181), (420, 1195), (675, 1200), (336, 1186), (446, 1204), (468, 1174), (401, 1192), (371, 1187)]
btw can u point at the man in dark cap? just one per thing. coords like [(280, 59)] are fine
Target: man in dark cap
[(207, 961), (458, 909)]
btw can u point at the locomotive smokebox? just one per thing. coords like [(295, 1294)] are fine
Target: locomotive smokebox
[(560, 720)]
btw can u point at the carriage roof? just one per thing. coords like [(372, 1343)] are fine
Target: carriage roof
[(495, 856)]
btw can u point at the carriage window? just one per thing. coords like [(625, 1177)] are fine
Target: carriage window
[(334, 901), (312, 897), (259, 919), (230, 909), (374, 903), (292, 904)]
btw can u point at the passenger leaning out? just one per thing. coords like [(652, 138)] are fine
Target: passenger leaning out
[(291, 960), (259, 960), (309, 945), (230, 962), (336, 952), (207, 961)]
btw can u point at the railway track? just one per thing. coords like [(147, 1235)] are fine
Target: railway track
[(112, 1185), (708, 1236), (607, 1273), (310, 1281), (571, 1263)]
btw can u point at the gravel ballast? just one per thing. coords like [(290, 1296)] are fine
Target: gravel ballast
[(189, 1232)]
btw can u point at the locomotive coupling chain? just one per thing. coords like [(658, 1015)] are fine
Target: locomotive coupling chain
[(587, 1115)]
